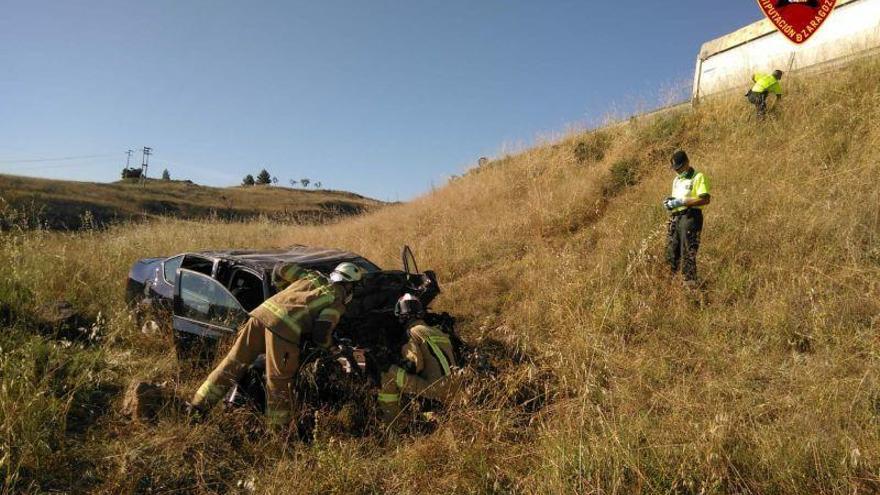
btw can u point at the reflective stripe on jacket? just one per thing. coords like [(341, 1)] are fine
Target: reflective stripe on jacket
[(765, 83), (293, 311), (688, 186), (430, 350)]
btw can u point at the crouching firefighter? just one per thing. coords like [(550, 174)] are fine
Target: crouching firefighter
[(428, 360), (308, 305), (763, 85)]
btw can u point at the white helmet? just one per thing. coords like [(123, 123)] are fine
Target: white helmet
[(347, 272), (409, 306)]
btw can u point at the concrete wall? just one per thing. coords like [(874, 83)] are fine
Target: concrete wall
[(727, 63)]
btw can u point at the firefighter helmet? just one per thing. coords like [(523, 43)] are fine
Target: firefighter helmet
[(347, 272), (409, 306)]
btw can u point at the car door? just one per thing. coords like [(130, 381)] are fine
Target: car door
[(204, 307), (422, 285), (409, 261)]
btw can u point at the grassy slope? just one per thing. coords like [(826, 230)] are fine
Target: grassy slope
[(612, 377), (63, 203)]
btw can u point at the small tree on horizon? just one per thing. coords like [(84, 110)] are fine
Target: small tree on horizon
[(318, 185), (304, 182), (264, 177), (293, 182), (166, 175), (274, 180), (248, 180)]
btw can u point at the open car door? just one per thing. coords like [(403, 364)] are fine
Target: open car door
[(203, 307), (409, 261), (422, 285)]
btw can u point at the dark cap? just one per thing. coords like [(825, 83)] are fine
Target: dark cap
[(678, 159)]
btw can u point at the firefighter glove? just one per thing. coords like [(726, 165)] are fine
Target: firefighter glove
[(673, 203)]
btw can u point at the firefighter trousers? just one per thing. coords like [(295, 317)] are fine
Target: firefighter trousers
[(282, 362), (397, 381), (683, 241)]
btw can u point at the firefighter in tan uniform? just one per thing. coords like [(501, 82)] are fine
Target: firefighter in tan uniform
[(428, 362), (310, 306)]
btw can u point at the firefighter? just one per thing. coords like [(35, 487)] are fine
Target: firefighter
[(763, 85), (308, 304), (427, 362), (690, 193)]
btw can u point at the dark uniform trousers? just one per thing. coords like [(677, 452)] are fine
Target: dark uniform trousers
[(683, 241), (760, 102)]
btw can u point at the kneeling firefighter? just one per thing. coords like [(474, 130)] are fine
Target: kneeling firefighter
[(427, 362), (308, 304)]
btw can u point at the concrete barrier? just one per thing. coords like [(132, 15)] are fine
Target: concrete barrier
[(727, 63)]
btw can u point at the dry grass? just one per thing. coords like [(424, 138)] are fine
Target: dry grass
[(611, 377)]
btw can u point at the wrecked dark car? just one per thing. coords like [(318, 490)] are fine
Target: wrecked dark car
[(207, 295)]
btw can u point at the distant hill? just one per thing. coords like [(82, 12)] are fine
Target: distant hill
[(62, 204)]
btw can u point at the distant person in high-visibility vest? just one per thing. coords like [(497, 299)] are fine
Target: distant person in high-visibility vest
[(690, 193), (427, 362), (763, 85), (308, 304)]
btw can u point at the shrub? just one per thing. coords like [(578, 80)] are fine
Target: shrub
[(592, 148), (624, 173)]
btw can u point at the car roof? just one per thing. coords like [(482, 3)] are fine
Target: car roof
[(304, 255)]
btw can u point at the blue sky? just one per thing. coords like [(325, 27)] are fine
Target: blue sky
[(382, 98)]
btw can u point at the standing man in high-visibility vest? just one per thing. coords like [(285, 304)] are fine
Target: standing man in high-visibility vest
[(763, 85), (308, 304), (427, 362), (690, 193)]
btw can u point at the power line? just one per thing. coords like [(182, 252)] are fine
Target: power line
[(37, 168), (60, 159)]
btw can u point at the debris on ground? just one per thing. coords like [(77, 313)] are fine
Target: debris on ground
[(150, 327)]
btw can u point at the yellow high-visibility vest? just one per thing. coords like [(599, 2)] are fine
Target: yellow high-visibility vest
[(690, 185), (765, 83)]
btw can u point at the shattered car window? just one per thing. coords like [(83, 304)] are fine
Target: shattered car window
[(204, 300)]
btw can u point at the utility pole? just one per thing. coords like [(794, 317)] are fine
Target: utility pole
[(128, 159), (145, 163)]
